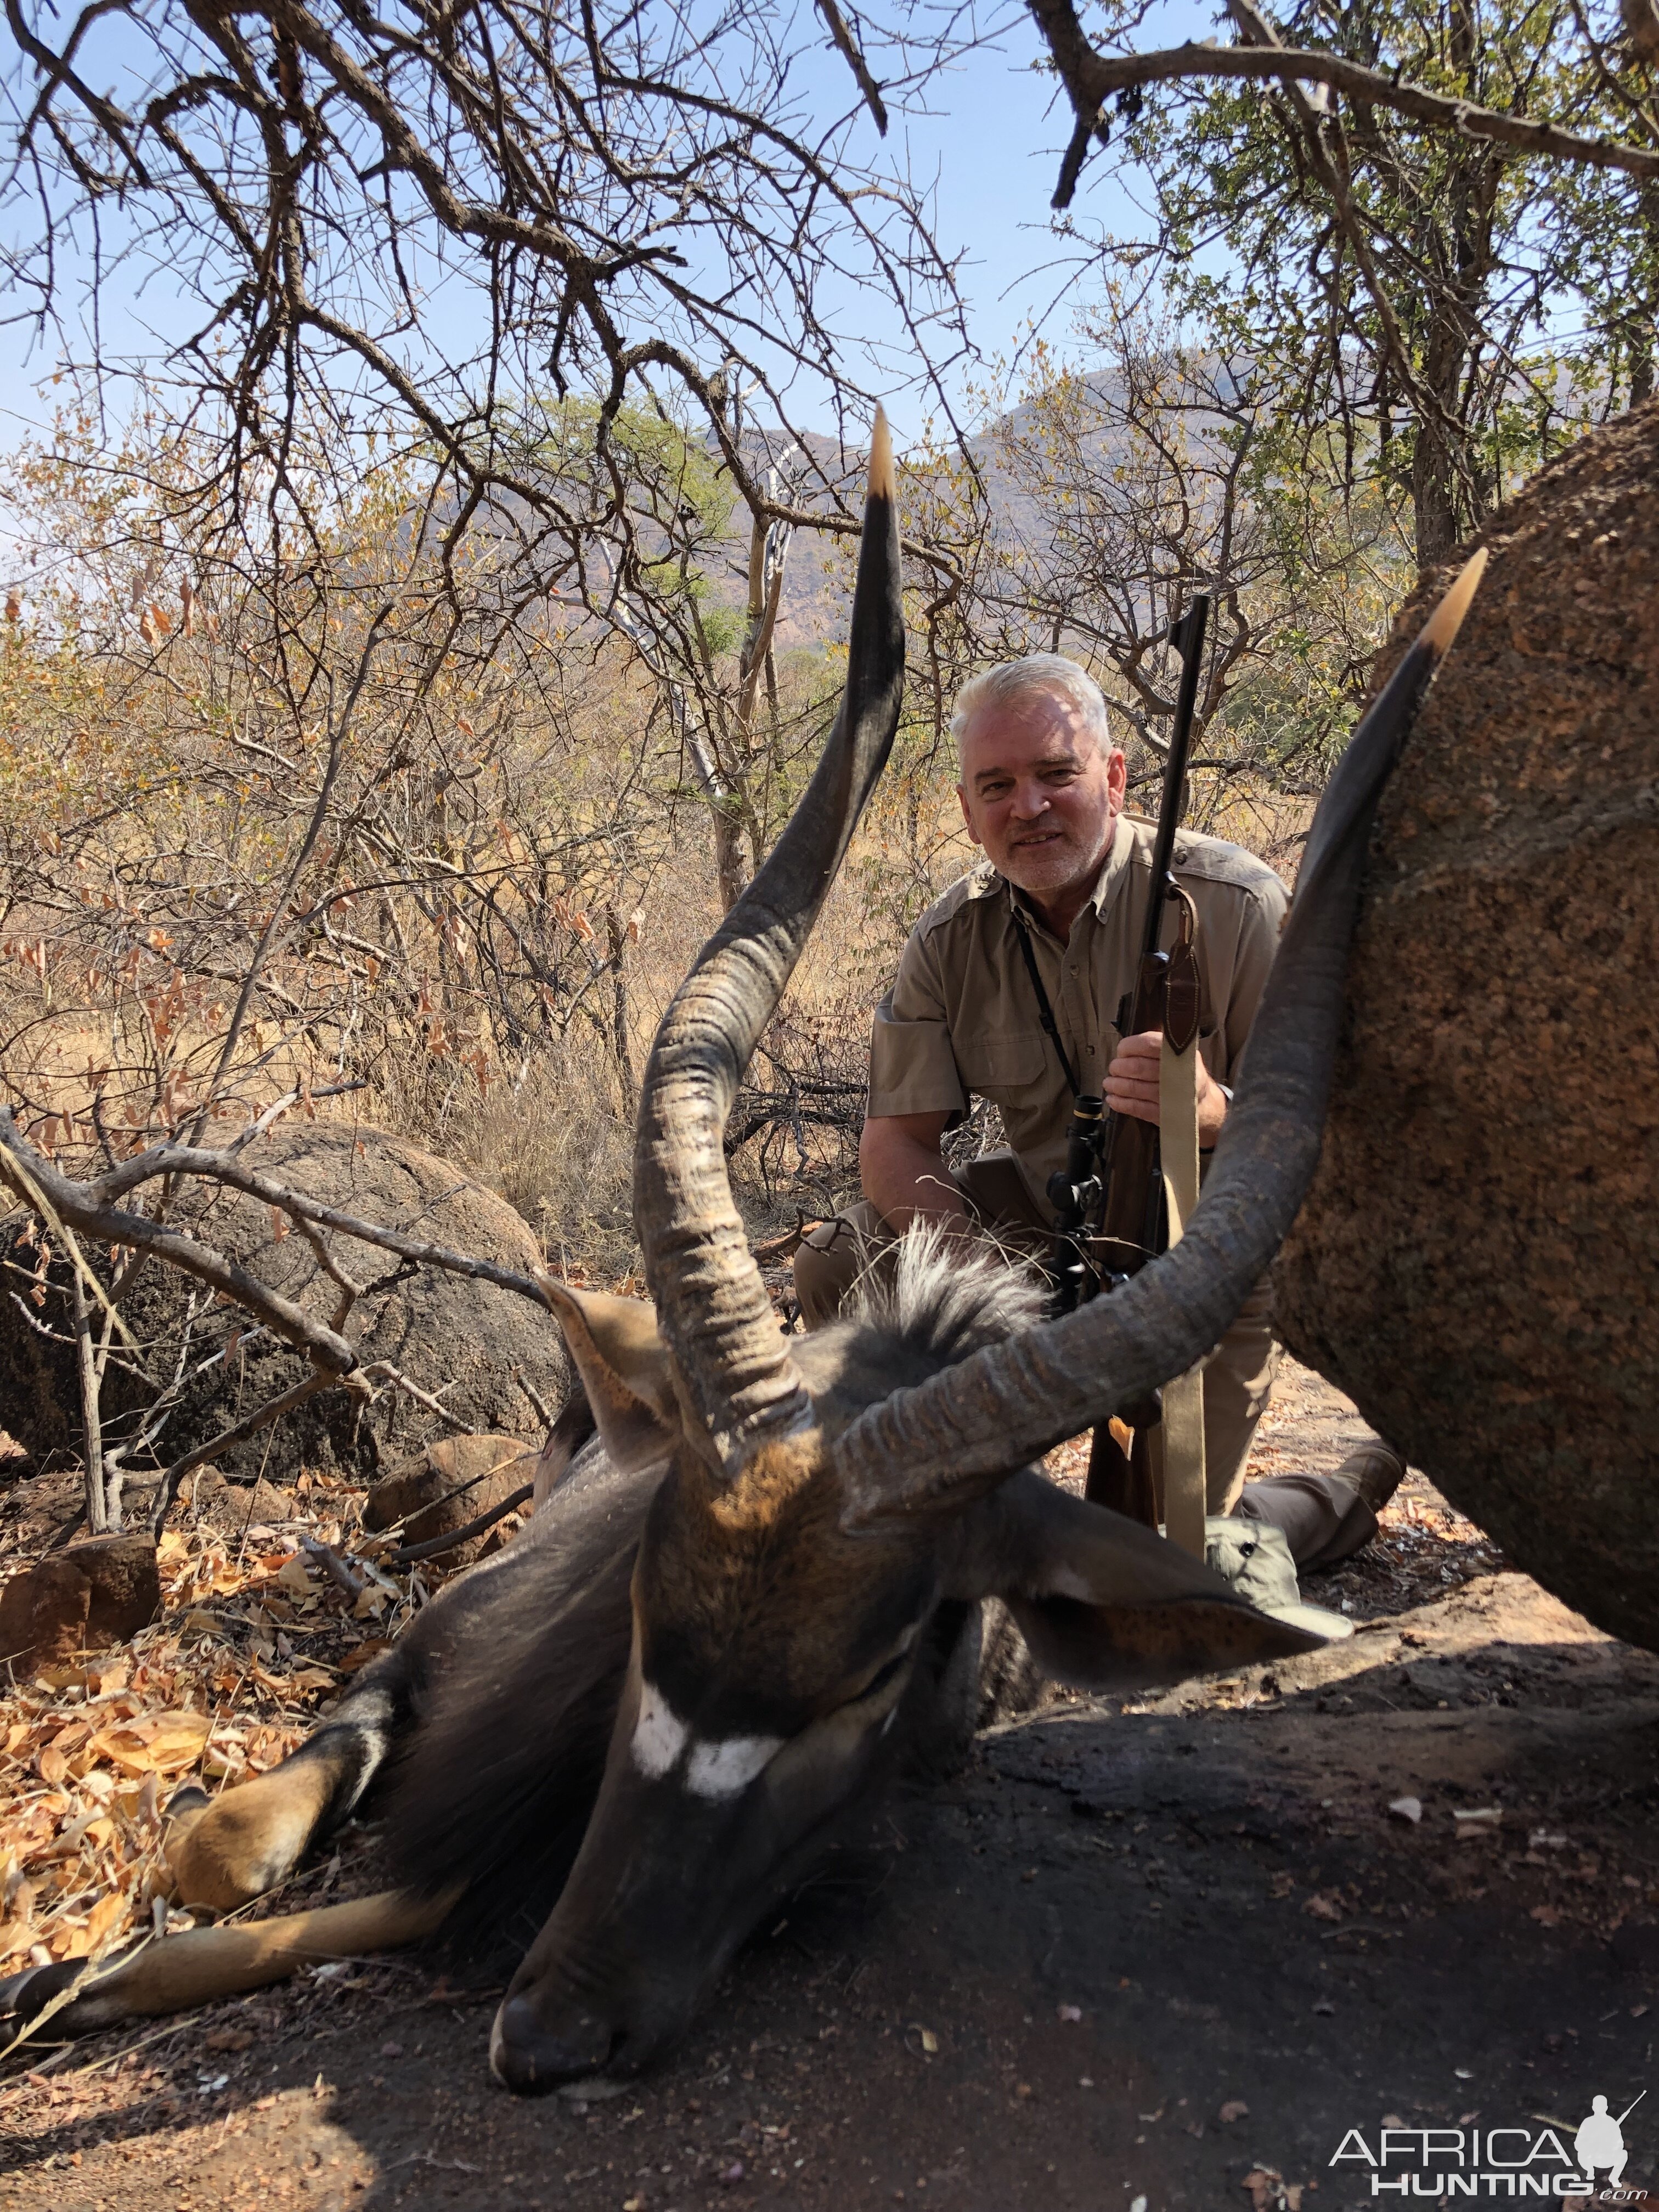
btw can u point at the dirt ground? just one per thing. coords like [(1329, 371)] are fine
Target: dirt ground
[(1155, 1956)]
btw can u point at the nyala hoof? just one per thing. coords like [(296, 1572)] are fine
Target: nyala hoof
[(223, 1852)]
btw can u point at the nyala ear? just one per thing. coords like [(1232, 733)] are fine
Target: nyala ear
[(1105, 1604), (625, 1369)]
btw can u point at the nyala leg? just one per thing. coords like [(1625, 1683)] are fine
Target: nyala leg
[(75, 1996), (225, 1851)]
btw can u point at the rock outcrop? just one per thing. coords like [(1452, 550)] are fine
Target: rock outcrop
[(1476, 1262), (85, 1599), (449, 1485)]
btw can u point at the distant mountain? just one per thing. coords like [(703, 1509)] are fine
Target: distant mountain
[(815, 606)]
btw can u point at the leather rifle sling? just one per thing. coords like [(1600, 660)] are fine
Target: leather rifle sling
[(1177, 1131)]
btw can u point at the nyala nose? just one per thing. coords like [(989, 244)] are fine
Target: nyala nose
[(531, 2056)]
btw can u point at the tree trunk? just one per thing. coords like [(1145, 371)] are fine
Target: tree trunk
[(731, 861), (1641, 319), (1475, 1263), (1434, 510), (92, 1429), (726, 814)]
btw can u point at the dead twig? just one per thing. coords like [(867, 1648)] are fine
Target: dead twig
[(261, 1123), (84, 1206), (544, 1411), (333, 1565), (22, 1168), (395, 1378), (786, 1246), (239, 1431), (219, 1167), (113, 2057)]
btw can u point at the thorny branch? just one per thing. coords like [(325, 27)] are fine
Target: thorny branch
[(640, 209)]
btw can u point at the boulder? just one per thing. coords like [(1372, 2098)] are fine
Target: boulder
[(452, 1482), (1476, 1260), (458, 1339), (84, 1599)]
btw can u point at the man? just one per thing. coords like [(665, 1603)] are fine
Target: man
[(1042, 787)]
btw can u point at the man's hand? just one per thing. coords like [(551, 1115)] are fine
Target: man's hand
[(1132, 1086)]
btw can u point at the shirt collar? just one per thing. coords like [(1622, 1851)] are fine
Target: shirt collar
[(1116, 873)]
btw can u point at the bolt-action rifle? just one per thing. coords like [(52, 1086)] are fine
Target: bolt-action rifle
[(1109, 1197)]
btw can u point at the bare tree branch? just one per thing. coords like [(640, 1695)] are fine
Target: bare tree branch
[(847, 46), (237, 1433), (77, 1205), (222, 1167), (1092, 78)]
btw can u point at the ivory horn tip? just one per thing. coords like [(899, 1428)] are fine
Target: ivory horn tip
[(881, 458), (1443, 624)]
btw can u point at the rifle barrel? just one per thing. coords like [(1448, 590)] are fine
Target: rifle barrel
[(1188, 634), (1131, 1201)]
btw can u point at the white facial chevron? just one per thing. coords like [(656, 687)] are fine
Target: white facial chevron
[(714, 1770), (721, 1770), (659, 1735)]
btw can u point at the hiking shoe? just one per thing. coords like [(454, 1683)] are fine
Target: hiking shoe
[(1375, 1470)]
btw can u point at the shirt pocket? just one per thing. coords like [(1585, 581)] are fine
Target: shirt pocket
[(1002, 1065)]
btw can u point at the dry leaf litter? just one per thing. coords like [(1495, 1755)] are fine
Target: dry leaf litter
[(255, 1641)]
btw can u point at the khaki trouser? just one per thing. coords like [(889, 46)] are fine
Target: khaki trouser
[(1323, 1517)]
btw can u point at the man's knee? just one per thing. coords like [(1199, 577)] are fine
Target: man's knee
[(832, 1256)]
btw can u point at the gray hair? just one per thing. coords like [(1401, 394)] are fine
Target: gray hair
[(1013, 680)]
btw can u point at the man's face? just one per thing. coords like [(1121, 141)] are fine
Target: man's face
[(1039, 793)]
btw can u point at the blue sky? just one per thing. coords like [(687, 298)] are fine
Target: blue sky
[(994, 146), (989, 148)]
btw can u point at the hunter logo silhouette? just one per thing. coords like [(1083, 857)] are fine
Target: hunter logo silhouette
[(1599, 2140)]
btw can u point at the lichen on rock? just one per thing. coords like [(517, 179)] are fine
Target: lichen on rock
[(1475, 1263)]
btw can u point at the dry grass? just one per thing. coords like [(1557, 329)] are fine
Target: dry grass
[(556, 1141)]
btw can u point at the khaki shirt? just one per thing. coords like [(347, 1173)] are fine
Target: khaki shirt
[(961, 1018)]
